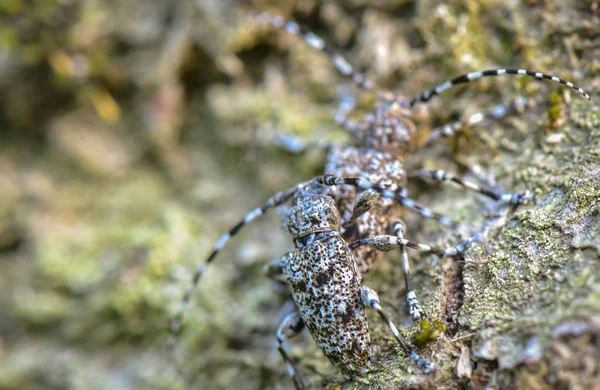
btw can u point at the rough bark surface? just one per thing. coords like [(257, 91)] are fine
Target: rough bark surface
[(133, 133)]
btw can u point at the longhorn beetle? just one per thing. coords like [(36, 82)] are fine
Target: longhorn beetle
[(323, 277), (322, 272)]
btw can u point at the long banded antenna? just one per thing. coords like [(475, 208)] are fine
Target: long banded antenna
[(341, 64), (274, 201), (427, 95)]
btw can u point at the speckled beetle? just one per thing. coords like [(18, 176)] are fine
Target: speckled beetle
[(323, 276)]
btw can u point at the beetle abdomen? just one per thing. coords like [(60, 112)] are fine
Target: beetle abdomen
[(326, 288)]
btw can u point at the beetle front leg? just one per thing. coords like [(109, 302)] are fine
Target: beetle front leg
[(386, 243), (500, 111)]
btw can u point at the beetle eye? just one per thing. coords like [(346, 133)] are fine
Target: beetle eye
[(303, 241)]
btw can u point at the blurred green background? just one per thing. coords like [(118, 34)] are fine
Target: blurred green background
[(133, 133)]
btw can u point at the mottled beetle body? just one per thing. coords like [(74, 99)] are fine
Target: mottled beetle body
[(325, 284)]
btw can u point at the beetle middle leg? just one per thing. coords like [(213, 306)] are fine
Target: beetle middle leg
[(291, 326), (414, 308), (371, 299), (437, 175)]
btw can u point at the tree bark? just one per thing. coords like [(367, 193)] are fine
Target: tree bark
[(138, 160)]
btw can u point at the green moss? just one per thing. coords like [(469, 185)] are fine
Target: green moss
[(8, 38), (11, 6), (428, 331)]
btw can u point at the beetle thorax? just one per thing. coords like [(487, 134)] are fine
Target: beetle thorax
[(390, 129), (312, 214)]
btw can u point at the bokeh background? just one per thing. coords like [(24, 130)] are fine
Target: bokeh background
[(133, 133)]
